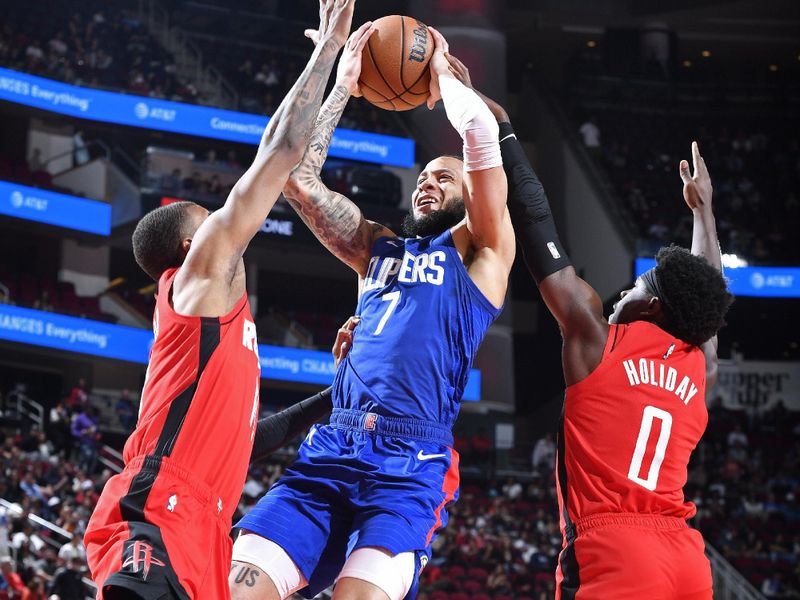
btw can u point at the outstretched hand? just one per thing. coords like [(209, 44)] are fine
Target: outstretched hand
[(697, 190), (439, 65), (344, 339), (349, 69), (335, 19)]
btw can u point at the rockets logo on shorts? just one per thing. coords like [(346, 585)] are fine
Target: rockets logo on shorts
[(139, 558)]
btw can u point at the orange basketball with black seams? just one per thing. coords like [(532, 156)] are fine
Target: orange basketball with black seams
[(394, 65)]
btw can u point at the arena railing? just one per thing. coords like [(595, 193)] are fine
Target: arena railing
[(37, 521), (25, 407), (729, 584), (109, 457), (188, 56)]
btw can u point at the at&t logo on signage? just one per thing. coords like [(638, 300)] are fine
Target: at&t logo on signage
[(144, 111), (20, 200)]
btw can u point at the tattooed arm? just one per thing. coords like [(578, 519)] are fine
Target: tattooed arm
[(221, 240), (336, 221)]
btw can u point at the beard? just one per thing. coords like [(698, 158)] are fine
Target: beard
[(436, 222)]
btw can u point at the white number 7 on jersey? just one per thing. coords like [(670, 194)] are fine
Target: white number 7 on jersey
[(393, 298), (650, 413)]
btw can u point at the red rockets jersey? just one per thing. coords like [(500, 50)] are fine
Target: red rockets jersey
[(630, 427), (199, 406)]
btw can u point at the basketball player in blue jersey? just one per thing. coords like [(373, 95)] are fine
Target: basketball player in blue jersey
[(369, 492)]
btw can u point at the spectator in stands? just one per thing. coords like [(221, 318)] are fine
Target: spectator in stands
[(35, 590), (232, 160), (245, 71), (590, 133), (214, 187), (73, 549), (172, 182), (27, 538), (78, 395), (67, 583), (85, 432), (11, 579), (30, 488), (126, 411), (771, 586), (59, 428), (193, 183), (544, 453), (211, 157), (498, 582), (269, 75), (512, 489), (737, 437), (46, 565)]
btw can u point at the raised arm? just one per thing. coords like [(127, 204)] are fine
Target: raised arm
[(485, 181), (335, 219), (573, 302), (697, 191), (221, 240)]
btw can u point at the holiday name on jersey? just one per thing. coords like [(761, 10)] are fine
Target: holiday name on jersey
[(647, 372), (422, 268)]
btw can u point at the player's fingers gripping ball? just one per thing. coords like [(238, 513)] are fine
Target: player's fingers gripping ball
[(395, 74)]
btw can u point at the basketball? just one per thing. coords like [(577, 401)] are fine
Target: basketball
[(394, 66)]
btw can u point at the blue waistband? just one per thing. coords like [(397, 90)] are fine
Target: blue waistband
[(428, 431)]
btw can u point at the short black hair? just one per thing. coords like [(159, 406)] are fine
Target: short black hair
[(157, 238), (696, 295)]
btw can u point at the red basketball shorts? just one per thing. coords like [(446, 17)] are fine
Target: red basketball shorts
[(630, 556), (156, 531)]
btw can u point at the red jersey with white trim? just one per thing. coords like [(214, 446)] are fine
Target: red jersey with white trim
[(630, 427), (199, 406)]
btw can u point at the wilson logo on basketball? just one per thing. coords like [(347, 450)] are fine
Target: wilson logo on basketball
[(141, 559), (420, 46)]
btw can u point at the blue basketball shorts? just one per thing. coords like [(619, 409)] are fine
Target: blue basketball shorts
[(362, 481)]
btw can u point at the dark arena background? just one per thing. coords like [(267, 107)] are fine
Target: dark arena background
[(109, 109)]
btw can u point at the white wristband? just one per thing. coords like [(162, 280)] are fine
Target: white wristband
[(475, 124)]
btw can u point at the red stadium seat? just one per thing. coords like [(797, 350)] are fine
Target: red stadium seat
[(472, 586), (478, 573), (456, 572)]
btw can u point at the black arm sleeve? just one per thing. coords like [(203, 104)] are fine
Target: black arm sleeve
[(275, 431), (530, 211)]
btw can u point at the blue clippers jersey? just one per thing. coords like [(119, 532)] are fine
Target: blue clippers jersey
[(422, 320)]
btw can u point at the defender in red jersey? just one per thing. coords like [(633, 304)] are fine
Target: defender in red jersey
[(161, 527), (635, 401)]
